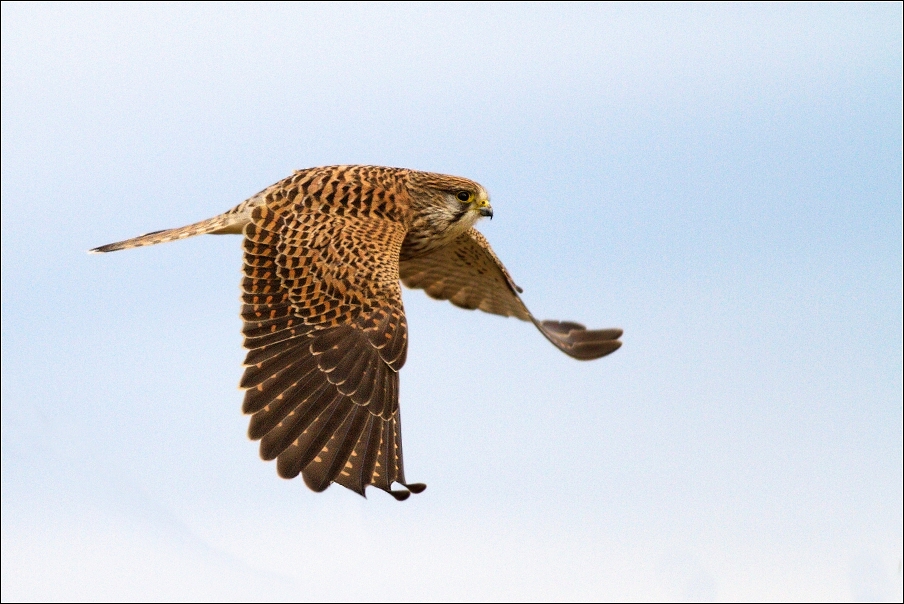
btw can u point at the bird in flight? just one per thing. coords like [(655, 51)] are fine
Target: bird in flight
[(324, 251)]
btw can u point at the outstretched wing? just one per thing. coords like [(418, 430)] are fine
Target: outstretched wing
[(467, 273), (326, 336)]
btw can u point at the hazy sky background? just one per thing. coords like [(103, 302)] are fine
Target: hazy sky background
[(724, 182)]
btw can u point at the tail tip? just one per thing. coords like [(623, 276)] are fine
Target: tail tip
[(103, 249)]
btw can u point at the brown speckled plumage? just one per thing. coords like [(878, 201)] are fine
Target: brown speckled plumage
[(324, 250)]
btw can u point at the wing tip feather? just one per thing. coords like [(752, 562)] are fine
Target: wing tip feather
[(578, 342)]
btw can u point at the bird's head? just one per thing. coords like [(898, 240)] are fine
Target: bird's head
[(450, 205)]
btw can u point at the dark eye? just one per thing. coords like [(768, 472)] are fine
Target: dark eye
[(463, 195)]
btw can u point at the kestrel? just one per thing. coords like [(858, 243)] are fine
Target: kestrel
[(324, 250)]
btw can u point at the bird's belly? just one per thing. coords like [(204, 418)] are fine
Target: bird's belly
[(421, 241), (418, 244)]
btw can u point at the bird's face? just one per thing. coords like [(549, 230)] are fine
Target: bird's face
[(463, 206), (475, 200), (449, 205)]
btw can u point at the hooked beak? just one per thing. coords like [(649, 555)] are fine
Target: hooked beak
[(486, 211)]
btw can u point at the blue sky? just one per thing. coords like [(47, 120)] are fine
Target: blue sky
[(722, 182)]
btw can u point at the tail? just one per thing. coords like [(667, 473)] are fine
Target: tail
[(228, 223)]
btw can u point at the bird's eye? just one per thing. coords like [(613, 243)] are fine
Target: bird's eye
[(464, 196)]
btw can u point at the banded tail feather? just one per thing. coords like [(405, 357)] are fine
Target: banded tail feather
[(229, 223), (216, 225)]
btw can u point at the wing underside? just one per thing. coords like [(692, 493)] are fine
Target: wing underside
[(469, 274)]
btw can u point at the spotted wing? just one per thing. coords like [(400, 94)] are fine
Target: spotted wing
[(469, 274), (326, 336)]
